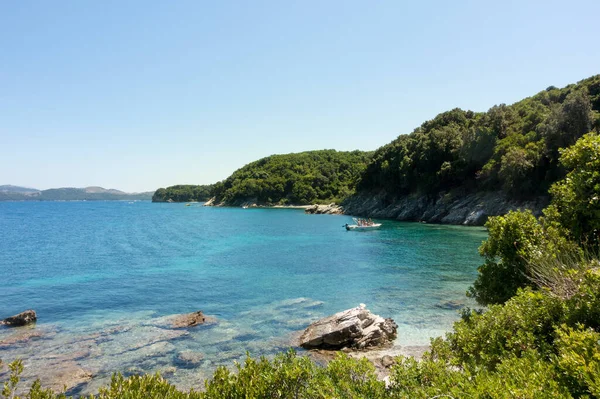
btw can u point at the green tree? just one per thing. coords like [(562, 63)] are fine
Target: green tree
[(513, 240), (576, 199)]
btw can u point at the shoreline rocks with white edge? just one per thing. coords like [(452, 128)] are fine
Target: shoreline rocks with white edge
[(21, 319), (355, 328), (457, 208), (331, 209)]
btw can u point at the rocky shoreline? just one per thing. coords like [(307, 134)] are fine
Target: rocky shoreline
[(469, 209), (450, 208)]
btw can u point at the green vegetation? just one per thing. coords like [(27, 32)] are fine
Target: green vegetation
[(512, 147), (183, 193), (515, 146), (518, 243), (292, 179), (297, 179)]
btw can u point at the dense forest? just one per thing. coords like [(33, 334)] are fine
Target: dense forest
[(183, 193), (302, 178), (512, 147), (297, 179)]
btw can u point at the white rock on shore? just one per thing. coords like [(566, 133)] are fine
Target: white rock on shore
[(353, 328)]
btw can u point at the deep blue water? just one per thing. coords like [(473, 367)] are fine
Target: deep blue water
[(263, 273)]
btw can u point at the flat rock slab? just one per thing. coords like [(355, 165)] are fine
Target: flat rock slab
[(190, 320), (21, 319), (355, 328)]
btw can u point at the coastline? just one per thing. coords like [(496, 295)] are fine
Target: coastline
[(452, 208)]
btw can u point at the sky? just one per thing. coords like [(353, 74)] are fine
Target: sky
[(137, 95)]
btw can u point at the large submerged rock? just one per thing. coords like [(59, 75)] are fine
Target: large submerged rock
[(356, 328), (21, 319), (190, 320)]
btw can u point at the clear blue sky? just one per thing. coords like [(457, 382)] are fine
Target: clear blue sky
[(137, 95)]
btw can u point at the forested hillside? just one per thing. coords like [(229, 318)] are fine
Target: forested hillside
[(183, 193), (302, 178), (510, 148), (515, 147)]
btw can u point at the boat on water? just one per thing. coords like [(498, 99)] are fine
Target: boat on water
[(361, 224)]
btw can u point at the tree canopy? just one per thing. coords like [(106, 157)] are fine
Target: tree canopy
[(299, 179), (515, 147), (183, 193)]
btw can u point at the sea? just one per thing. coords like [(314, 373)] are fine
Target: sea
[(105, 278)]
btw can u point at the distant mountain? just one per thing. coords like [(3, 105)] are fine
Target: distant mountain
[(7, 188), (97, 190), (93, 193)]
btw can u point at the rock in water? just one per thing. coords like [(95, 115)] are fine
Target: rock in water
[(21, 319), (190, 320), (190, 358), (353, 328)]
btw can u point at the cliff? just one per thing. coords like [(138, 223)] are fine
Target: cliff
[(471, 209)]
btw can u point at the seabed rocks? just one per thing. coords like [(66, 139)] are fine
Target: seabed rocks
[(186, 348)]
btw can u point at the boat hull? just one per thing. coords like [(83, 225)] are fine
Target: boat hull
[(357, 227)]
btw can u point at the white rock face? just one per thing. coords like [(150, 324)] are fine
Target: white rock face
[(353, 328)]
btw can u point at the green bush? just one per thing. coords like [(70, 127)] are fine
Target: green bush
[(514, 239), (526, 322), (578, 359), (576, 199)]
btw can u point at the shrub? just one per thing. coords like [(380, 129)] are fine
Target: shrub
[(578, 360), (526, 322), (513, 240)]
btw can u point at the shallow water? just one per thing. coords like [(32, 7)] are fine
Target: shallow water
[(103, 275)]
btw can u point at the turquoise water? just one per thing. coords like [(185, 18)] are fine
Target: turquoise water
[(117, 269)]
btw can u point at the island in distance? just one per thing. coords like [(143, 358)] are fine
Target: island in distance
[(17, 193)]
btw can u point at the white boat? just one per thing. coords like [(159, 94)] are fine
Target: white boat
[(358, 226)]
